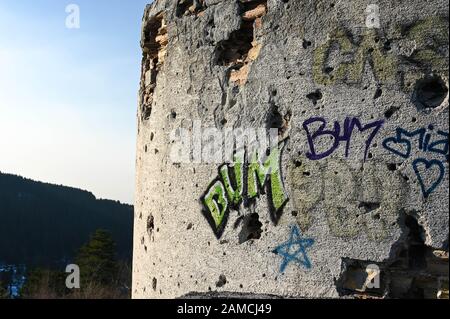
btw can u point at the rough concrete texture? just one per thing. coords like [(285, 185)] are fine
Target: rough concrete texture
[(363, 111)]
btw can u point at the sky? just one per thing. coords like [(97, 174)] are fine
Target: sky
[(68, 96)]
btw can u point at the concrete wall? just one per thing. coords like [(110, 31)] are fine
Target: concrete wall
[(358, 91)]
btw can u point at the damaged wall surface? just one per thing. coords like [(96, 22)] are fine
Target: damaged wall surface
[(355, 203)]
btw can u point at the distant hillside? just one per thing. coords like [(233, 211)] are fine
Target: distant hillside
[(43, 224)]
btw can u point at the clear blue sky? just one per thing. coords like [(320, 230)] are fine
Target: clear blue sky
[(68, 97)]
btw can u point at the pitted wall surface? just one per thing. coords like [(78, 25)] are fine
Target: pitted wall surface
[(358, 91)]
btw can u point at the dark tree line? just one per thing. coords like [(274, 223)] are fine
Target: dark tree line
[(44, 225)]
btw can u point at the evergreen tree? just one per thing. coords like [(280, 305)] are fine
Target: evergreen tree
[(97, 260)]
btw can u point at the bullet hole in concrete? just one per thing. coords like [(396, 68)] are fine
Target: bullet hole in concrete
[(251, 228), (155, 42), (391, 111), (146, 111), (189, 226), (241, 48), (145, 148), (369, 207), (315, 96), (387, 45), (150, 224), (152, 136), (221, 282), (294, 213), (183, 6), (298, 163), (173, 115), (328, 70), (306, 174), (189, 7), (306, 44), (140, 215), (274, 118), (154, 283), (370, 156), (235, 49), (392, 167), (378, 93), (429, 93)]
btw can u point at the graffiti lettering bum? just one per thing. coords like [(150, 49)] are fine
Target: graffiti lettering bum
[(243, 181), (337, 134)]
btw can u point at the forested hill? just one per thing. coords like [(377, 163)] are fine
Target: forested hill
[(43, 224)]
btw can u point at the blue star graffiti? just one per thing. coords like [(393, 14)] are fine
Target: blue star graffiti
[(294, 250)]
